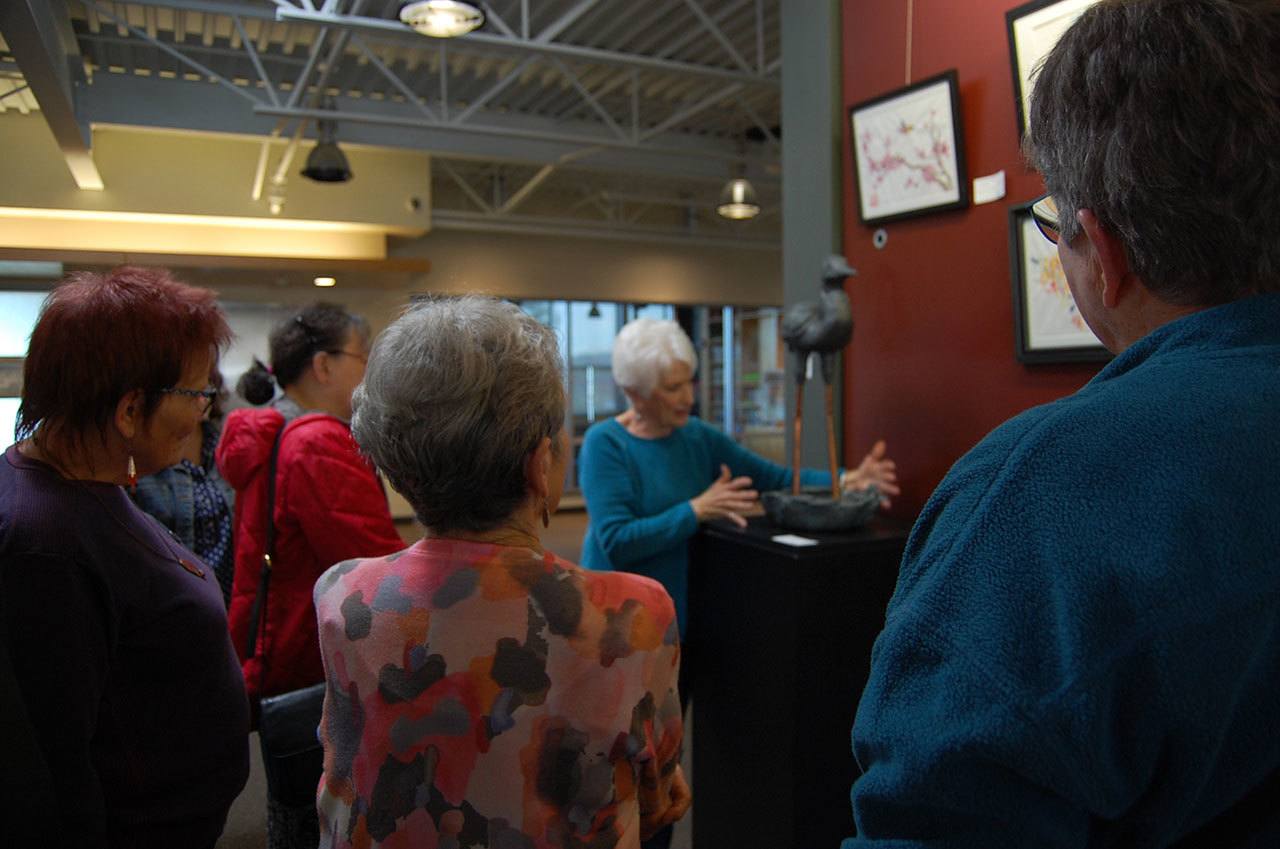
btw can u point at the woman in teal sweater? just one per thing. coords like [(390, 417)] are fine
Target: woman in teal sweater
[(653, 473)]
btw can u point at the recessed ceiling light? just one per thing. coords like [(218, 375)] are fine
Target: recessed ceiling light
[(325, 282), (441, 18)]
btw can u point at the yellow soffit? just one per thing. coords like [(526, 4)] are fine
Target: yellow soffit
[(146, 232)]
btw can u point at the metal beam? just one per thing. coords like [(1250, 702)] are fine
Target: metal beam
[(395, 80), (691, 110), (216, 7), (205, 71), (11, 92), (506, 80), (710, 26), (395, 29), (449, 219), (565, 21), (34, 37), (197, 106), (247, 44), (586, 95), (759, 122), (524, 191), (492, 16), (464, 185), (389, 120)]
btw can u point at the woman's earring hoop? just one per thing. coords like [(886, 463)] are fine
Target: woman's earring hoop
[(546, 516)]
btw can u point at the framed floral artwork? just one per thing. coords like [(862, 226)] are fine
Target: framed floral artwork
[(908, 151), (1034, 28), (1048, 327)]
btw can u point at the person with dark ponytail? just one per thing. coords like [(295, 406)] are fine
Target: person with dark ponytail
[(329, 506)]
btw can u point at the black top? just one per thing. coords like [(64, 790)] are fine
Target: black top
[(118, 641)]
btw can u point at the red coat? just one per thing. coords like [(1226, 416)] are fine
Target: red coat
[(329, 507)]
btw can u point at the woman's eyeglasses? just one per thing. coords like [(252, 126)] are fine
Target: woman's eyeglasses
[(206, 396), (364, 358), (1045, 213)]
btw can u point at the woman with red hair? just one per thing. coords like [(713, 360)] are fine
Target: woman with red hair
[(116, 633)]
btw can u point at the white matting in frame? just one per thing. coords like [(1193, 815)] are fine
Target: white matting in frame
[(1048, 326), (907, 151), (1034, 29)]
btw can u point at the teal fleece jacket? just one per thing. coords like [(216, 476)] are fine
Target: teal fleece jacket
[(1083, 649)]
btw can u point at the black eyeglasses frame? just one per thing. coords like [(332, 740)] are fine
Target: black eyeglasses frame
[(206, 395)]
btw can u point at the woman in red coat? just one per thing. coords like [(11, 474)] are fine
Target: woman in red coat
[(329, 506)]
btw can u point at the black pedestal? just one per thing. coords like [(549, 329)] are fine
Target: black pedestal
[(781, 639)]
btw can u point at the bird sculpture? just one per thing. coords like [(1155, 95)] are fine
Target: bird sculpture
[(823, 327)]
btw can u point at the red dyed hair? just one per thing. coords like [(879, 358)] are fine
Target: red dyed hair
[(101, 336)]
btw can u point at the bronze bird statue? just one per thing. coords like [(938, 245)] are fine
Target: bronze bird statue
[(824, 327)]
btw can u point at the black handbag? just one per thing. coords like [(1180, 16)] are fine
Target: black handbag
[(292, 756), (288, 724)]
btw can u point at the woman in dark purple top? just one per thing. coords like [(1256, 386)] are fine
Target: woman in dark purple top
[(116, 634)]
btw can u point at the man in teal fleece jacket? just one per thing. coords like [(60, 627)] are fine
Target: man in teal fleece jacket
[(1083, 649)]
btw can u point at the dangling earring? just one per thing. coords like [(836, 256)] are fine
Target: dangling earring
[(133, 475), (546, 516)]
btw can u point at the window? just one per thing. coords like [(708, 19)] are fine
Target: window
[(251, 325), (585, 331), (18, 314)]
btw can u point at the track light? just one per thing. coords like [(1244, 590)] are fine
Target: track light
[(441, 18), (738, 200), (327, 163)]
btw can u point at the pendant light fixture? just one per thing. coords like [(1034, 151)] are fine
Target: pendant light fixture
[(738, 200), (441, 18), (327, 163)]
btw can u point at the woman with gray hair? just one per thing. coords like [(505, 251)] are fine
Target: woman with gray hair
[(482, 690), (652, 474)]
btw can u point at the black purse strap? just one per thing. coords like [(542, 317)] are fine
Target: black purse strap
[(259, 611)]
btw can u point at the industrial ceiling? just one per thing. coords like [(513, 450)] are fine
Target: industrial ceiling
[(616, 118)]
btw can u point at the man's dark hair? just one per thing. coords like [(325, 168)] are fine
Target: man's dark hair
[(1163, 117)]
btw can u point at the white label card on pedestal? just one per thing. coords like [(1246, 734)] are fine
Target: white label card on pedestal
[(792, 539)]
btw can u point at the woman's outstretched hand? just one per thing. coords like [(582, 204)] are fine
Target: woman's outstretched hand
[(727, 498), (875, 469)]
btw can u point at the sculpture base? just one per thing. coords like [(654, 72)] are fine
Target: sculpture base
[(815, 510)]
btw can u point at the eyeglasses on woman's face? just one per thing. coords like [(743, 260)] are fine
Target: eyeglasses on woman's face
[(205, 395), (364, 358), (1045, 213)]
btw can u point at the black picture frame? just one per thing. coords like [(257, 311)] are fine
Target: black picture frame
[(1033, 29), (875, 126), (1047, 327)]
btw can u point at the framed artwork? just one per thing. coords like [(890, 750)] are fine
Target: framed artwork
[(1048, 327), (907, 151), (1034, 28)]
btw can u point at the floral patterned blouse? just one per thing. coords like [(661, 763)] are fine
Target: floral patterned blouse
[(486, 695)]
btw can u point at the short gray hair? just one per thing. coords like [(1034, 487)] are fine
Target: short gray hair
[(458, 391), (1163, 118), (647, 347)]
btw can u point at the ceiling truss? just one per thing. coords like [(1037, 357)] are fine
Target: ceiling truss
[(566, 99)]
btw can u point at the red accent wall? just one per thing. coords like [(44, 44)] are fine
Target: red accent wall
[(931, 368)]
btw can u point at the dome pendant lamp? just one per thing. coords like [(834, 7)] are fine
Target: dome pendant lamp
[(441, 18), (738, 200), (327, 163)]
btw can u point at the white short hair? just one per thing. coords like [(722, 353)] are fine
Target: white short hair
[(647, 347)]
